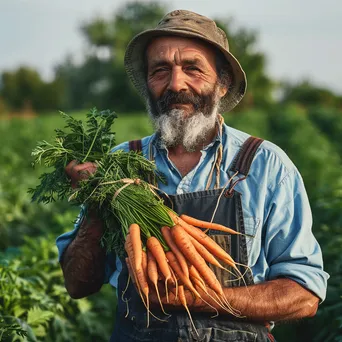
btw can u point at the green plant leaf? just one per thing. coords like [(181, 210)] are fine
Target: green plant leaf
[(37, 316)]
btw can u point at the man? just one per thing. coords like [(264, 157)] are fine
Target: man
[(187, 75)]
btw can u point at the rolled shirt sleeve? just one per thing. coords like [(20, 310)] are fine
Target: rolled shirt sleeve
[(64, 240), (113, 265), (291, 249)]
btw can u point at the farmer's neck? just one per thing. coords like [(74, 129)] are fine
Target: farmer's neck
[(184, 160)]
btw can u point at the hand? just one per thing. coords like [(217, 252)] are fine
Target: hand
[(153, 298), (77, 172), (173, 302)]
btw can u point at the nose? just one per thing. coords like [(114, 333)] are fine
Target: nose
[(177, 80)]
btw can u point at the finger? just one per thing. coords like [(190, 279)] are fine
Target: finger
[(85, 170), (77, 172), (86, 166), (83, 174), (71, 172), (70, 167)]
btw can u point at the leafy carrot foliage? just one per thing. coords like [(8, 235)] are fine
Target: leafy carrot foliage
[(118, 190)]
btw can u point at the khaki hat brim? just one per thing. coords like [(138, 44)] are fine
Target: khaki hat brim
[(134, 64)]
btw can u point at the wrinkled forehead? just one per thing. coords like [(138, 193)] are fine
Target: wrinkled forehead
[(161, 45)]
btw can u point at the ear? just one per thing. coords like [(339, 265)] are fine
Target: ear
[(222, 91)]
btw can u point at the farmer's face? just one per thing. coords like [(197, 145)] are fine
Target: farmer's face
[(181, 74), (184, 91)]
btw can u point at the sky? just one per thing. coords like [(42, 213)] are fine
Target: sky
[(302, 39)]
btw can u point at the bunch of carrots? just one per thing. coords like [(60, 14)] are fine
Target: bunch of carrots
[(184, 265), (178, 253)]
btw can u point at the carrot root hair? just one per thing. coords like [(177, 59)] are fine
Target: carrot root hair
[(152, 272), (182, 299)]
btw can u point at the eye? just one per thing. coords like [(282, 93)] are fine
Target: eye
[(193, 68), (160, 70)]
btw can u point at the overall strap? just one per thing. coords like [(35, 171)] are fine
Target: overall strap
[(135, 145), (218, 159), (243, 160)]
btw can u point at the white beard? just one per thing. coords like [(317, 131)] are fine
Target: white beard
[(176, 128)]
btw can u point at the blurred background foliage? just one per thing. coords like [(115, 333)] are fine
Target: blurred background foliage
[(303, 119)]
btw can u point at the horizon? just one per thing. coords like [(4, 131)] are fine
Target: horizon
[(300, 40)]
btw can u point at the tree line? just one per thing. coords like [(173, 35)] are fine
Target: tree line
[(304, 120), (100, 80)]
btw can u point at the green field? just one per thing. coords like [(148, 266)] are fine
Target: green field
[(33, 297), (27, 237)]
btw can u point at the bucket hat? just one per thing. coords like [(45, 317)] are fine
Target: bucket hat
[(185, 24)]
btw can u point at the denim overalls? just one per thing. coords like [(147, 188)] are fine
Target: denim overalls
[(132, 326)]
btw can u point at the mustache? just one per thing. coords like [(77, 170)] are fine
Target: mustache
[(169, 98)]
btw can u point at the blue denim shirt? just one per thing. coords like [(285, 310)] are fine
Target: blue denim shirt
[(275, 207)]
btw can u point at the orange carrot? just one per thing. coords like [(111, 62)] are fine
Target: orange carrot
[(157, 250), (144, 262), (205, 254), (209, 243), (183, 242), (138, 271), (199, 283), (195, 275), (204, 224), (175, 218), (216, 250), (132, 275), (129, 250), (176, 267), (209, 257), (139, 274), (134, 232), (179, 255), (152, 271)]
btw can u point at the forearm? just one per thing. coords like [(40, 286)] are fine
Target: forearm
[(83, 262), (275, 300)]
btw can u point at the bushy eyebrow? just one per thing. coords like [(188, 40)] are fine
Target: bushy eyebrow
[(158, 63), (187, 61), (193, 61)]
